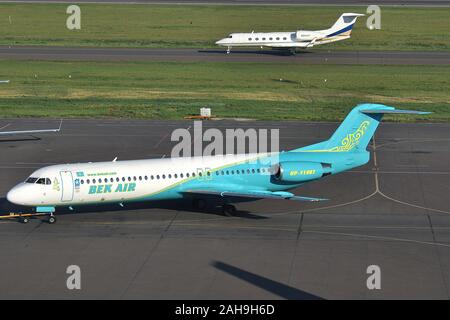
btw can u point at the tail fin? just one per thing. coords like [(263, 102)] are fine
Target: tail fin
[(355, 132), (343, 26)]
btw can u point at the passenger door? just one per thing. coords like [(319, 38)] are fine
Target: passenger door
[(66, 186)]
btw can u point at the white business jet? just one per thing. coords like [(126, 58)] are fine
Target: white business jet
[(341, 30)]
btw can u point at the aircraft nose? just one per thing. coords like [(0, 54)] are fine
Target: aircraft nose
[(14, 196), (220, 41)]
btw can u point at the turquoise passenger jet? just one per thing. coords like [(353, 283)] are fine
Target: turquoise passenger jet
[(230, 178)]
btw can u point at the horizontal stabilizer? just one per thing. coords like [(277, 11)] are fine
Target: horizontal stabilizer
[(252, 194), (395, 111)]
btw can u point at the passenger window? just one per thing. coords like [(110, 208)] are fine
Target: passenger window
[(278, 38), (249, 39), (284, 38), (88, 181), (93, 181)]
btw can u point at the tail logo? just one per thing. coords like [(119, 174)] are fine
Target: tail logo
[(352, 139)]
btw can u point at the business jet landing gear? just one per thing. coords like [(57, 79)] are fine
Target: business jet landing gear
[(228, 50), (229, 209), (293, 52)]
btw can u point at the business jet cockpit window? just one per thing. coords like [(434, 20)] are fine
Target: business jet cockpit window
[(230, 36)]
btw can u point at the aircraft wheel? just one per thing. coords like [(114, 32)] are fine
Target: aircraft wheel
[(229, 209), (199, 204), (24, 220), (51, 220)]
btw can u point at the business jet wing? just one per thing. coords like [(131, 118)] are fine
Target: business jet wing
[(18, 132), (258, 194)]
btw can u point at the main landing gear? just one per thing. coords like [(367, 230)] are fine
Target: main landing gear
[(201, 204), (228, 50), (229, 209)]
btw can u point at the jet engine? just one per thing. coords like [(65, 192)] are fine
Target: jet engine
[(303, 171), (304, 35)]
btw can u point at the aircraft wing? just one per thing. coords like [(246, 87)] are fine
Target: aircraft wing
[(258, 194), (9, 133)]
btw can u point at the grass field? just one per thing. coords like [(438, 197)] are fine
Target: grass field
[(247, 90), (200, 26)]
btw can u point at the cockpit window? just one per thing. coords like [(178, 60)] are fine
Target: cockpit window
[(31, 180), (230, 36), (38, 180)]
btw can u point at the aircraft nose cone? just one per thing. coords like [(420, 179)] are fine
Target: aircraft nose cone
[(221, 41), (13, 196)]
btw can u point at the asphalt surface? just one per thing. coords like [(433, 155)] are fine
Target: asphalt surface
[(192, 55), (256, 2), (393, 212)]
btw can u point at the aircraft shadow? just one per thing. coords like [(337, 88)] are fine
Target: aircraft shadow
[(278, 288), (176, 205), (254, 52)]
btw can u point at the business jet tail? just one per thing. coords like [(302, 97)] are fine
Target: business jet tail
[(343, 26)]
